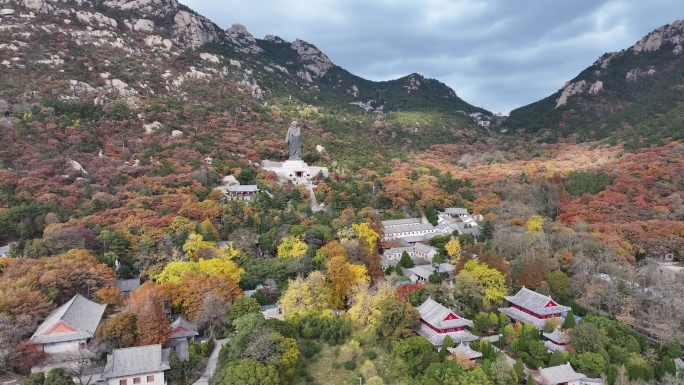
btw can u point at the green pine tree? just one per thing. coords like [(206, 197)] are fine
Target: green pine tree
[(569, 320), (406, 261), (442, 353), (519, 368)]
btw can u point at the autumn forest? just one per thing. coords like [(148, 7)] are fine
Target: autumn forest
[(103, 183)]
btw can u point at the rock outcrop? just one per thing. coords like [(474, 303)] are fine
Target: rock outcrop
[(40, 6), (245, 42), (96, 19), (193, 30), (636, 74), (576, 88), (414, 82), (671, 33), (569, 90), (316, 62), (596, 87)]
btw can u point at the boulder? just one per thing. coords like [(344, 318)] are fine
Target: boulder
[(570, 89), (193, 30), (230, 181)]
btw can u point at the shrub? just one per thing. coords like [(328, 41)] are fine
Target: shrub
[(350, 365), (309, 348), (350, 350)]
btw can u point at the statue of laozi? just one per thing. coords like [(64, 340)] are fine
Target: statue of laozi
[(294, 144)]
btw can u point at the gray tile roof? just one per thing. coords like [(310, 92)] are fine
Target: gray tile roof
[(134, 361), (552, 347), (79, 313), (535, 302), (397, 250), (435, 314), (422, 271), (417, 238), (474, 231), (558, 336), (424, 248), (447, 268), (127, 284), (414, 227), (182, 328), (455, 211), (243, 188), (437, 339), (559, 374), (523, 317), (401, 222), (426, 270), (465, 351)]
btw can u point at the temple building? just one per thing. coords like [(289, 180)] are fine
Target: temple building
[(182, 330), (70, 327), (437, 322), (528, 306), (296, 171), (464, 351), (562, 375), (557, 340)]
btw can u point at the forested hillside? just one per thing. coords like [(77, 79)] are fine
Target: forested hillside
[(124, 123), (634, 96)]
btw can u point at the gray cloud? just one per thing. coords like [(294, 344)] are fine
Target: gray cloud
[(499, 54)]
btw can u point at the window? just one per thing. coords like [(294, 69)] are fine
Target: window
[(122, 382), (136, 380), (150, 378)]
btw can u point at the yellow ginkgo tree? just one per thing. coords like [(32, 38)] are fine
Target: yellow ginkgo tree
[(364, 230), (196, 243), (292, 247), (453, 249)]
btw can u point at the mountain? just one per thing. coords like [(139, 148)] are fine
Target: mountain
[(147, 52), (635, 95)]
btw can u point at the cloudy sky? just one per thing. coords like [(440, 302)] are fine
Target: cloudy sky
[(499, 54)]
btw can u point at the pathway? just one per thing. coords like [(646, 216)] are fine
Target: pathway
[(211, 364), (314, 204)]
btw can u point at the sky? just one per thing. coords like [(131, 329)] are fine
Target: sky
[(496, 54)]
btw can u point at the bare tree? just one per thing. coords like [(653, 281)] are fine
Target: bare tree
[(213, 313), (11, 332), (79, 365)]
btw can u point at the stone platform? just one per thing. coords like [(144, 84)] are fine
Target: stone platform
[(296, 171)]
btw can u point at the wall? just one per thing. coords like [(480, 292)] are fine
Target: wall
[(158, 379), (62, 347)]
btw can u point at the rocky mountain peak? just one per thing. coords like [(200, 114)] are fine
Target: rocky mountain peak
[(240, 37), (275, 39), (316, 63), (670, 33)]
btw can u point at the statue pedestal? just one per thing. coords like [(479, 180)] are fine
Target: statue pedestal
[(296, 171)]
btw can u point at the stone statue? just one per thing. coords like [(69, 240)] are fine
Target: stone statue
[(294, 144)]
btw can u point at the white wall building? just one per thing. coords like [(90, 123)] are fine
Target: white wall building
[(140, 365), (296, 171), (69, 327)]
